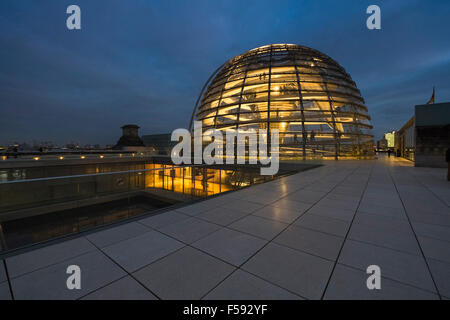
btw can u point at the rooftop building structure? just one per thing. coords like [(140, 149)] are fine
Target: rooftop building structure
[(425, 138), (305, 94), (130, 138)]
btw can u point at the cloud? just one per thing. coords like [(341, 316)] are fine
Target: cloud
[(145, 62)]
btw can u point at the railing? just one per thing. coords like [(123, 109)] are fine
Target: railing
[(70, 155), (35, 210), (31, 193)]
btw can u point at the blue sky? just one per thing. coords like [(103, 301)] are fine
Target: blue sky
[(145, 62)]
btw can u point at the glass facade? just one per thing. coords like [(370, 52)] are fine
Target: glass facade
[(37, 209), (200, 181), (302, 92)]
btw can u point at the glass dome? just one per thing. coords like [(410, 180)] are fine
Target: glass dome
[(300, 91)]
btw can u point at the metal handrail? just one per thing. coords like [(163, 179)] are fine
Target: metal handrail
[(95, 174)]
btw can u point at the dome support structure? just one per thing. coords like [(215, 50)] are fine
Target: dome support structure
[(295, 89)]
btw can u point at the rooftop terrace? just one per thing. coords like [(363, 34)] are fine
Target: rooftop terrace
[(310, 235)]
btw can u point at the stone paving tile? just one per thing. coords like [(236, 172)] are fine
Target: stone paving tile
[(390, 201), (345, 190), (2, 272), (343, 197), (163, 219), (306, 196), (419, 211), (441, 275), (242, 285), (380, 191), (268, 190), (123, 289), (185, 274), (5, 294), (261, 188), (215, 201), (430, 218), (221, 215), (140, 251), (190, 230), (380, 210), (258, 227), (314, 242), (292, 183), (324, 224), (435, 249), (395, 265), (196, 208), (298, 272), (239, 194), (263, 198), (117, 234), (384, 223), (423, 202), (350, 284), (432, 231), (325, 187), (339, 204), (443, 193), (46, 256), (231, 246), (51, 282), (332, 212), (291, 205), (243, 206), (403, 242), (278, 214)]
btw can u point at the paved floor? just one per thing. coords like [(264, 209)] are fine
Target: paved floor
[(307, 236)]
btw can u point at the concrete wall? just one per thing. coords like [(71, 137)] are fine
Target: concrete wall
[(432, 134), (431, 144)]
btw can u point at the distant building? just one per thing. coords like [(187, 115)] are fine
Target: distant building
[(130, 139), (425, 138), (159, 143), (390, 137), (382, 144), (404, 141)]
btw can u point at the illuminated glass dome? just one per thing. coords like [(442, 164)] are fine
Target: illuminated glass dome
[(302, 92)]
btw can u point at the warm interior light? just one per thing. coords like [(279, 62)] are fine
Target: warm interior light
[(36, 158), (102, 156), (82, 157), (61, 157), (293, 96)]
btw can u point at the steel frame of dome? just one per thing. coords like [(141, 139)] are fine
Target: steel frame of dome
[(304, 93)]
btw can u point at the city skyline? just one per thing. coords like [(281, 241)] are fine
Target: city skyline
[(146, 63)]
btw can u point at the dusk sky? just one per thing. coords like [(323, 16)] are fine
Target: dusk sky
[(144, 62)]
